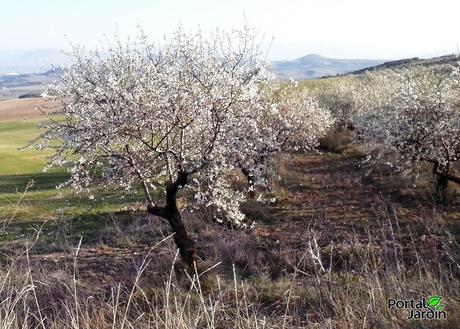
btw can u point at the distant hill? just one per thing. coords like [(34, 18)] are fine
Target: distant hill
[(25, 80), (314, 66), (30, 61), (24, 85), (403, 63), (307, 67)]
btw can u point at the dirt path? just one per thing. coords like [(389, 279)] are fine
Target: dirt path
[(328, 193), (330, 188), (331, 195)]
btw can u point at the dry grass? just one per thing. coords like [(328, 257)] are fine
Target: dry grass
[(328, 284), (336, 140)]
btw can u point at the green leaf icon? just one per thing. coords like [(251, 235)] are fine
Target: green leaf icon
[(440, 307), (433, 301)]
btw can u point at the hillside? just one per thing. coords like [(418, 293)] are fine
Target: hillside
[(25, 80), (403, 63), (24, 85), (314, 66)]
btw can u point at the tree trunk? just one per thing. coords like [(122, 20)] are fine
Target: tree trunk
[(172, 214), (442, 182), (251, 184), (441, 188)]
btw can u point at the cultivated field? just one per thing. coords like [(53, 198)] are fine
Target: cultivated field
[(329, 252), (24, 109)]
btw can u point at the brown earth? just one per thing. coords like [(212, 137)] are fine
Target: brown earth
[(22, 109)]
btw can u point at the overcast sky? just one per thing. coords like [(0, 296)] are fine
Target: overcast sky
[(383, 29)]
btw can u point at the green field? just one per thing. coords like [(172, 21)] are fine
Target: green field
[(29, 197)]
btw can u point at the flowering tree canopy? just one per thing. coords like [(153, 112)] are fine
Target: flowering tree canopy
[(295, 121), (414, 113), (340, 99), (184, 114)]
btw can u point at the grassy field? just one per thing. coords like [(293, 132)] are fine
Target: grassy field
[(328, 253), (22, 179), (20, 164)]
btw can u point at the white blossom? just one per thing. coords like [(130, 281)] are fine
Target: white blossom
[(144, 115), (414, 115)]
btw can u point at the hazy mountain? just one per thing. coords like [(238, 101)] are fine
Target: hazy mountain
[(25, 80), (30, 61), (307, 67), (315, 66), (24, 85)]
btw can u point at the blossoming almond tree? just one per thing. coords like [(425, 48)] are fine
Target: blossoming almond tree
[(415, 114), (297, 122), (352, 97), (157, 117), (339, 98), (183, 115)]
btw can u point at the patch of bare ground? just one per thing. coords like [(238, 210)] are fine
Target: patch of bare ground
[(23, 109)]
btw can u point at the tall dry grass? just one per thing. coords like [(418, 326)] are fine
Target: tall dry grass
[(332, 285)]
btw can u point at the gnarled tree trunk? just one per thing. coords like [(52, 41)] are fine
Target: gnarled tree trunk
[(251, 184), (171, 213), (442, 180), (441, 187)]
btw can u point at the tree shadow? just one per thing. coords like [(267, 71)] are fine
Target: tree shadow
[(41, 181), (120, 229)]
